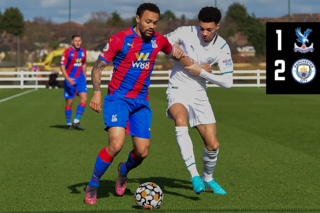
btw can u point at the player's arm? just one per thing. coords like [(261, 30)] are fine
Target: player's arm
[(178, 55), (95, 102), (112, 47), (84, 66), (185, 60), (225, 80), (175, 38), (64, 60)]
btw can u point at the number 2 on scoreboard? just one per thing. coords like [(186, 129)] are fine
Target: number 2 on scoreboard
[(281, 70), (279, 62)]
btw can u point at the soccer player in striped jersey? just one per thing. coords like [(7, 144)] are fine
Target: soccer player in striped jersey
[(187, 96), (74, 69), (126, 107)]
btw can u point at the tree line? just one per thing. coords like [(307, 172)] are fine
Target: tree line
[(236, 20)]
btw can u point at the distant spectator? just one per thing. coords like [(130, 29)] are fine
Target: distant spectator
[(53, 83)]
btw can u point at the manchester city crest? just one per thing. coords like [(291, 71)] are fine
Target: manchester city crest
[(209, 60), (303, 39), (303, 71)]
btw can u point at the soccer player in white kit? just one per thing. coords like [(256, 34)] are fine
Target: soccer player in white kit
[(187, 97)]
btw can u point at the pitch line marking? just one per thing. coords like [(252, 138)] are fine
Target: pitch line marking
[(17, 95)]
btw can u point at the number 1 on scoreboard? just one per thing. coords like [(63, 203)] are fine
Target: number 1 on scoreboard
[(279, 39)]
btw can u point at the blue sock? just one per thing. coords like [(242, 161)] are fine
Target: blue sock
[(131, 163), (80, 111), (103, 161), (68, 111)]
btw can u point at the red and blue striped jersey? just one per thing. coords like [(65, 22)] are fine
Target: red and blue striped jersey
[(74, 61), (133, 61)]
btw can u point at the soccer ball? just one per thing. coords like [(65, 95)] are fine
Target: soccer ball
[(149, 196)]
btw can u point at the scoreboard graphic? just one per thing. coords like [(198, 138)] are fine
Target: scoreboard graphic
[(293, 58)]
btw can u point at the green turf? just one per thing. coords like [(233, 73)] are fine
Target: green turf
[(5, 93), (268, 160)]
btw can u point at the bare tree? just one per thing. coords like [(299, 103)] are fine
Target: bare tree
[(99, 18), (43, 21)]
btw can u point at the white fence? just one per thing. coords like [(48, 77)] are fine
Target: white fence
[(24, 79)]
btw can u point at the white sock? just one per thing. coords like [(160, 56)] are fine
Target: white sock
[(186, 148), (209, 159), (76, 121)]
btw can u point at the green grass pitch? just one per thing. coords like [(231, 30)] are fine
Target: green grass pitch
[(269, 157)]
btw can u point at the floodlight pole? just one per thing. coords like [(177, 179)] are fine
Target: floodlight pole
[(18, 39), (70, 22), (289, 10), (215, 3)]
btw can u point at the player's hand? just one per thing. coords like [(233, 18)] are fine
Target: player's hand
[(206, 67), (194, 69), (71, 81), (177, 52), (95, 103)]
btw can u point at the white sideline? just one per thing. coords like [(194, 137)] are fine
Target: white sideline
[(17, 95)]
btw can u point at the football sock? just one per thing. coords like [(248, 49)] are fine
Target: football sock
[(186, 148), (68, 111), (209, 159), (131, 163), (80, 111), (102, 163)]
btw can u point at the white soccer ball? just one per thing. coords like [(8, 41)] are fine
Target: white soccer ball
[(149, 196)]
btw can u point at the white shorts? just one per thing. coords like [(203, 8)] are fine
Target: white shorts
[(197, 104)]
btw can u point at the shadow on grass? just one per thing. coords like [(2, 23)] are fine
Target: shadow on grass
[(59, 126), (105, 188), (168, 186)]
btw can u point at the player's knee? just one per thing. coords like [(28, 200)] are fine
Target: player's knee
[(213, 145), (115, 145), (69, 102), (84, 99), (114, 149), (142, 154), (180, 122)]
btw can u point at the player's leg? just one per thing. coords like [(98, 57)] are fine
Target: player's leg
[(116, 115), (135, 158), (104, 160), (80, 109), (208, 133), (106, 155), (83, 94), (179, 113), (139, 127), (69, 92)]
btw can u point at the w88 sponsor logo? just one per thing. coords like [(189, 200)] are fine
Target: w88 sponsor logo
[(142, 61), (141, 65), (78, 63)]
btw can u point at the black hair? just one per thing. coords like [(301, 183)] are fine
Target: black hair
[(147, 6), (75, 36), (209, 14)]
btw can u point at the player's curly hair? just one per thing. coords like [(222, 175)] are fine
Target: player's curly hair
[(147, 6), (209, 14)]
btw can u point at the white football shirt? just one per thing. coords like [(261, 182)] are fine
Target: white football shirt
[(215, 52)]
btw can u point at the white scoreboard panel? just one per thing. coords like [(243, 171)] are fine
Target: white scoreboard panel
[(293, 58)]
